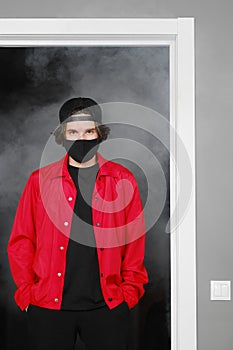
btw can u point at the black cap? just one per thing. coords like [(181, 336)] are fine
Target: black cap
[(74, 105)]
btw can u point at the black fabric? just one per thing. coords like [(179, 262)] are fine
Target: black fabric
[(82, 290), (80, 104), (82, 150), (102, 328)]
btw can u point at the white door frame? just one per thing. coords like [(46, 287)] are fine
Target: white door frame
[(178, 34)]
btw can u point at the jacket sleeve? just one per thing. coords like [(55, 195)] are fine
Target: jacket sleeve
[(134, 273), (21, 246)]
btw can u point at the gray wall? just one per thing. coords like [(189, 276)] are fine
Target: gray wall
[(214, 105)]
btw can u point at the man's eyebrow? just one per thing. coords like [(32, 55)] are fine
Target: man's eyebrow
[(90, 129), (70, 129)]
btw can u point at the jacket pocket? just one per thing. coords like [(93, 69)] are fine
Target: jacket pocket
[(39, 290), (113, 286)]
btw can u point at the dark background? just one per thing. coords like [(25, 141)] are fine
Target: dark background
[(34, 83)]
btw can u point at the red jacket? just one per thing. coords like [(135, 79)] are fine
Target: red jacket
[(40, 234)]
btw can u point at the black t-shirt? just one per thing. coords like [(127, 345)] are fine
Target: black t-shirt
[(82, 290)]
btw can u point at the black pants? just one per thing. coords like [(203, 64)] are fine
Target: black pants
[(99, 329)]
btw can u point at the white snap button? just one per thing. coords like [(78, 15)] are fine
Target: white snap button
[(70, 199), (61, 247), (56, 300), (66, 223), (59, 274)]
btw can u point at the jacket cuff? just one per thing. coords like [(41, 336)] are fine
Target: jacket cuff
[(129, 296), (23, 296)]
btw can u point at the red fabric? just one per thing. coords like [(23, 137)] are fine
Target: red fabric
[(41, 229)]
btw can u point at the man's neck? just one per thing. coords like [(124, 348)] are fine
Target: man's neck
[(87, 164)]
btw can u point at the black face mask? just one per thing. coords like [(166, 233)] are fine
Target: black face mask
[(81, 150)]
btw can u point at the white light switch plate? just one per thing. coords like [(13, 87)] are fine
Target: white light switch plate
[(220, 290)]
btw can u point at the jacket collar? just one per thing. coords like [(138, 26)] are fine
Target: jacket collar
[(106, 167)]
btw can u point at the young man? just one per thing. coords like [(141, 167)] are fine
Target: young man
[(76, 249)]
